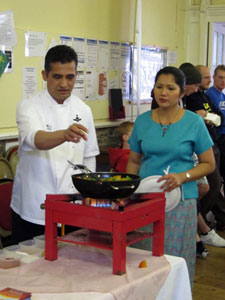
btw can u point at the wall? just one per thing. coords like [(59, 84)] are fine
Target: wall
[(212, 2), (100, 19), (197, 18)]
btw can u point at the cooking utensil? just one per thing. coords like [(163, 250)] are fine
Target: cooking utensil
[(100, 189), (83, 168)]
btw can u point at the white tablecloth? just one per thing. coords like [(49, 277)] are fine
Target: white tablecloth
[(177, 284), (84, 273)]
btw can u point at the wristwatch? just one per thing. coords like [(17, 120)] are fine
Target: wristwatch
[(188, 176)]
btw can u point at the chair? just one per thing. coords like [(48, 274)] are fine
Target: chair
[(13, 161), (6, 172), (5, 211), (10, 151)]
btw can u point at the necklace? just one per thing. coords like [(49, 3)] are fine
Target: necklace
[(165, 127)]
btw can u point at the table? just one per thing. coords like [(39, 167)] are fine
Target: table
[(143, 209), (84, 273)]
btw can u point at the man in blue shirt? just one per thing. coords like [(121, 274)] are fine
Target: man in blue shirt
[(216, 92), (218, 98)]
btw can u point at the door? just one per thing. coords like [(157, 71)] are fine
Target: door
[(216, 45)]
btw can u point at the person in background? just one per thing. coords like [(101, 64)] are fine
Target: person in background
[(217, 96), (168, 136), (54, 126), (203, 188), (118, 157), (193, 80), (200, 103)]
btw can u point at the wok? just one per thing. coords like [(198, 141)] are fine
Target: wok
[(88, 187)]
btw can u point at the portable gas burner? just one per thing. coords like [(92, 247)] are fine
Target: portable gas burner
[(105, 227)]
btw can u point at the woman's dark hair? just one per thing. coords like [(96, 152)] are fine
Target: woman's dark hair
[(179, 78), (60, 53), (178, 75)]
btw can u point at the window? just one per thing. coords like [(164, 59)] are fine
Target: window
[(152, 60)]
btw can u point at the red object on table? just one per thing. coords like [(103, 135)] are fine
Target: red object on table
[(122, 225)]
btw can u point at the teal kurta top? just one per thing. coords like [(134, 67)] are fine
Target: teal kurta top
[(174, 149)]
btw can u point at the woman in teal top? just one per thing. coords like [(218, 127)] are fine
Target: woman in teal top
[(168, 136)]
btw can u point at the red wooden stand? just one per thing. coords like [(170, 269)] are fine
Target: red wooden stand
[(149, 208)]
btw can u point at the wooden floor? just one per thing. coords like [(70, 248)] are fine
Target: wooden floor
[(209, 281)]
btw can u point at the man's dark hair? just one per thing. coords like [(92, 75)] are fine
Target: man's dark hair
[(60, 53), (219, 68)]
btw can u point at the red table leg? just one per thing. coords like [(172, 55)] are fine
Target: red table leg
[(158, 237), (119, 249), (50, 237)]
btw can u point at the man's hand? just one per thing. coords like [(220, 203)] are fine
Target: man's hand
[(201, 112), (45, 140), (75, 132)]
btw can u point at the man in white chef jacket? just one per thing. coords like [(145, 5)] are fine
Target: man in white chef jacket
[(54, 126)]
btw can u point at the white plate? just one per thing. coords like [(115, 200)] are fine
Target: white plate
[(150, 185)]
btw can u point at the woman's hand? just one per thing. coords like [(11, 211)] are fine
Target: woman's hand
[(171, 181)]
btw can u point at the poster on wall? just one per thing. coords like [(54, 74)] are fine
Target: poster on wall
[(4, 61), (66, 40), (92, 53), (35, 43), (7, 30), (125, 56), (79, 47), (114, 55), (125, 84), (9, 53), (90, 87), (103, 85), (171, 57), (29, 81), (78, 89), (103, 54), (114, 80)]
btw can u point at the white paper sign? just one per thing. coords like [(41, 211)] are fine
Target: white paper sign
[(78, 88), (92, 53), (90, 85), (114, 55), (66, 40), (7, 30), (103, 54), (125, 56), (79, 47), (171, 57), (35, 43), (29, 81)]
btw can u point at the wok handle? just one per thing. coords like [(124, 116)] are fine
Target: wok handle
[(122, 187)]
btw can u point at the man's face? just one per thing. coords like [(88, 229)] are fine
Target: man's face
[(191, 88), (206, 78), (219, 80), (60, 80)]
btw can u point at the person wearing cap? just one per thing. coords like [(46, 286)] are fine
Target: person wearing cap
[(193, 80)]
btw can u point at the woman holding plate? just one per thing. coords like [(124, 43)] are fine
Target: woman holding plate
[(167, 137)]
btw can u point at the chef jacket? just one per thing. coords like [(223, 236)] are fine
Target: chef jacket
[(41, 172)]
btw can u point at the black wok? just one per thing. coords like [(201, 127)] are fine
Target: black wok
[(88, 187)]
